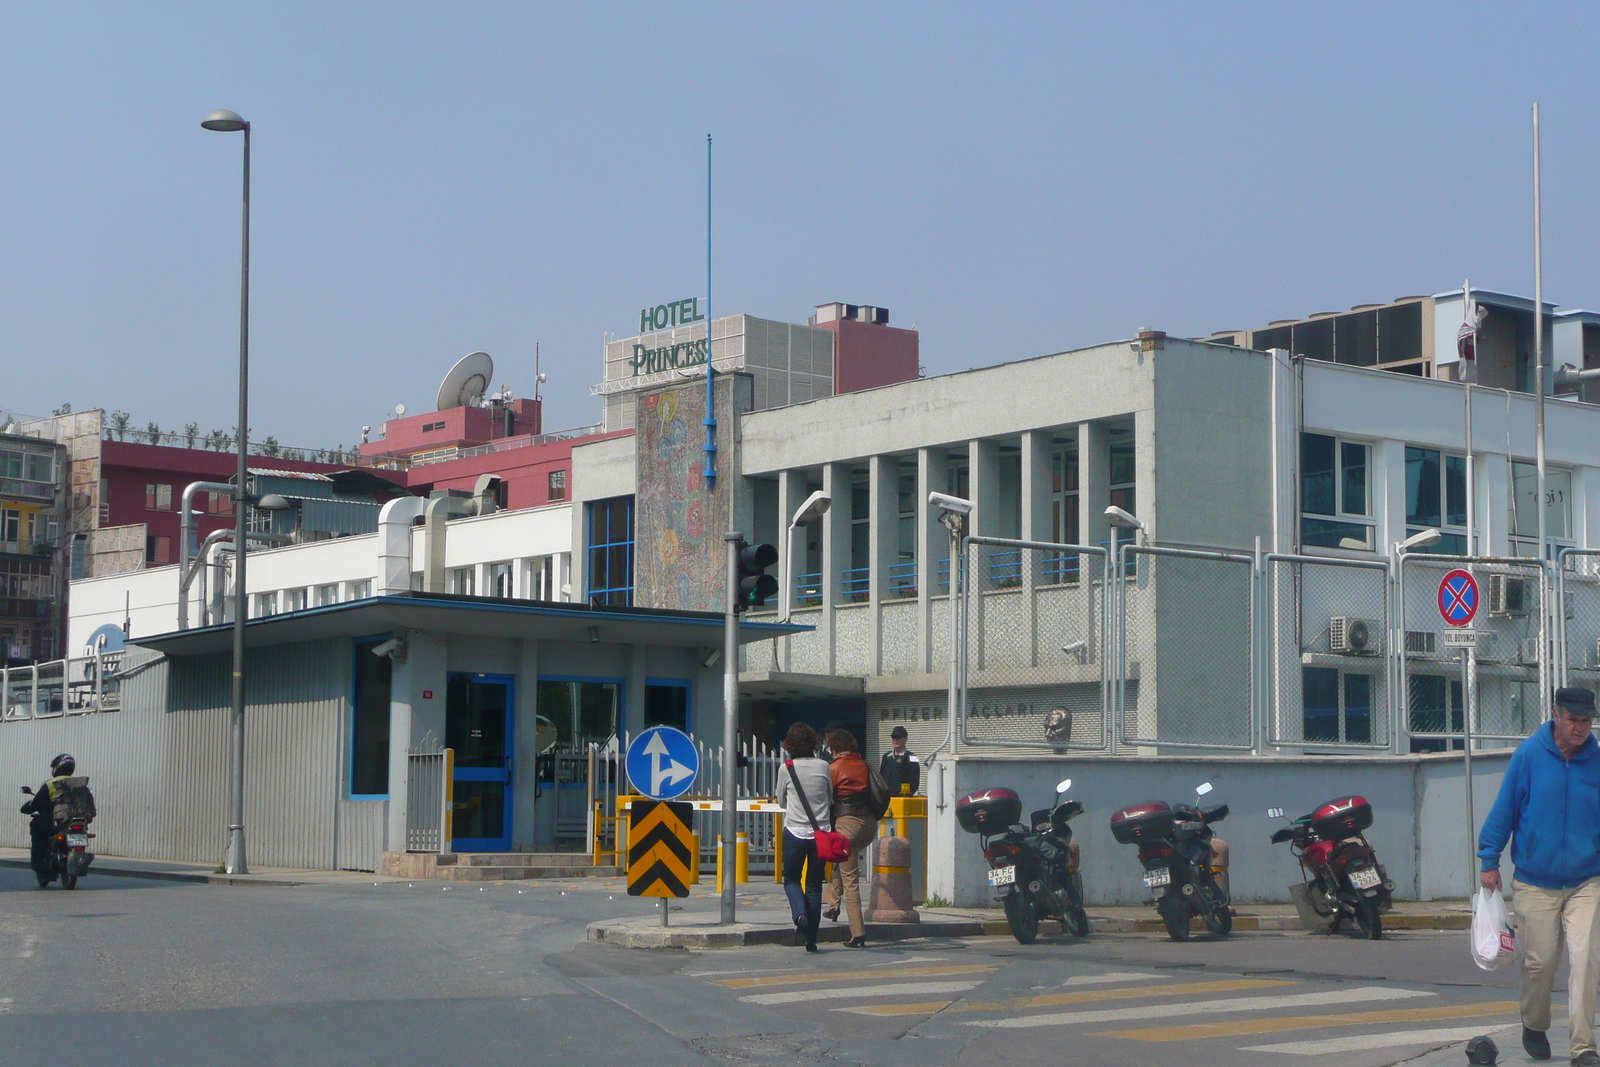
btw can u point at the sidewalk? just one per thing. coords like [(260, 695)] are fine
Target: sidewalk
[(180, 871), (765, 920)]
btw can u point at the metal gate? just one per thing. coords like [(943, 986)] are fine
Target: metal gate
[(1504, 683), (1195, 613), (428, 773), (1033, 636), (1328, 655)]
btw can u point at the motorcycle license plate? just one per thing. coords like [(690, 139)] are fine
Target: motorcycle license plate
[(1155, 878), (1364, 879), (1003, 876), (77, 840)]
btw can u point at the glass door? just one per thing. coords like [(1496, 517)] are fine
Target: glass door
[(478, 728)]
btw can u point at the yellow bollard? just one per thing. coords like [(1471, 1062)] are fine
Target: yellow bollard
[(719, 863), (694, 859), (741, 858)]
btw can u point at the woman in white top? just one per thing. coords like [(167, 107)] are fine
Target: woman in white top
[(799, 837)]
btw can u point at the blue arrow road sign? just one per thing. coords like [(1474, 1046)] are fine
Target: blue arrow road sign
[(662, 763)]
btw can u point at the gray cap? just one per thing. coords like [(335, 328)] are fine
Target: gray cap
[(1575, 700)]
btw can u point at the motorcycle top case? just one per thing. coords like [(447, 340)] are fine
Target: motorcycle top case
[(989, 811), (1142, 822), (1342, 818)]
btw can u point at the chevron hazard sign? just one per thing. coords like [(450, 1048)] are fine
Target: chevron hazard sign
[(659, 844)]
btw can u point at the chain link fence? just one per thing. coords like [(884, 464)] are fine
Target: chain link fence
[(1577, 645), (1328, 660), (1184, 663), (1505, 678), (1034, 636)]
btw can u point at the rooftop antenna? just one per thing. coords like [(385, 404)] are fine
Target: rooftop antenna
[(467, 381), (711, 410)]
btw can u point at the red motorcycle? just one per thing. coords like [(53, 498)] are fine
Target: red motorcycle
[(1342, 878)]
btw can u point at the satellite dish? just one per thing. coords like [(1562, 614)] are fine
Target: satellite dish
[(467, 381), (399, 409)]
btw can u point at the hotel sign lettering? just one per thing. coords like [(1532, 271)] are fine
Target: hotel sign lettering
[(668, 357)]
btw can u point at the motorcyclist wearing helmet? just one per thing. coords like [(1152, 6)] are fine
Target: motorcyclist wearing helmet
[(42, 807)]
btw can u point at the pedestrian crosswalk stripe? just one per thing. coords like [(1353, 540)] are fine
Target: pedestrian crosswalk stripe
[(1357, 1042), (1107, 979), (835, 976), (1240, 1027), (926, 1008), (1089, 996), (1202, 1007), (859, 992)]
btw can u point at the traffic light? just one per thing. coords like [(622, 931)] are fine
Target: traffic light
[(755, 584)]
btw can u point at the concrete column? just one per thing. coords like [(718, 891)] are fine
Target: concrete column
[(1036, 488), (633, 665), (416, 710), (1144, 470), (524, 767), (1094, 484), (835, 553), (983, 459), (883, 543), (931, 542)]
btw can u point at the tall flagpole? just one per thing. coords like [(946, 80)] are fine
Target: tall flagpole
[(1538, 403), (711, 374)]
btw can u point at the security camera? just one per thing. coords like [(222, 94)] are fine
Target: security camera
[(1077, 648), (713, 659), (394, 648), (955, 504)]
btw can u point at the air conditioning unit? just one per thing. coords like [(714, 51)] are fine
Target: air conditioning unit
[(1353, 637), (1508, 595), (1421, 642), (1528, 651)]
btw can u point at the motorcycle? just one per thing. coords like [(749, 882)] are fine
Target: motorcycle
[(1342, 878), (1185, 863), (1034, 866), (68, 854)]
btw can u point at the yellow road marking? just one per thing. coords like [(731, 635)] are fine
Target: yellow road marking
[(1240, 1027), (899, 1009), (830, 976), (1089, 996)]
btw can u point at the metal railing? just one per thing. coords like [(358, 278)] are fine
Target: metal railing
[(74, 686)]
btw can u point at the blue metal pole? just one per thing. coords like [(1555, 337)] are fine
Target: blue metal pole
[(711, 409)]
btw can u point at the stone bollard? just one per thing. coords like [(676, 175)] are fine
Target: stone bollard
[(891, 883)]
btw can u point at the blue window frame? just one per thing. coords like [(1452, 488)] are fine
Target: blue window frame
[(609, 540), (667, 702), (369, 721)]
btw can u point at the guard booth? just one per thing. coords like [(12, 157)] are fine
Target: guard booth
[(530, 700)]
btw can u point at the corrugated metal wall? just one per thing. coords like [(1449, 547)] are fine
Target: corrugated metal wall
[(160, 776)]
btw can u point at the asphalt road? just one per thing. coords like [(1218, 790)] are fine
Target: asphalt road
[(134, 971)]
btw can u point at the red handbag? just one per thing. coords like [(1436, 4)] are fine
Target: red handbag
[(832, 846)]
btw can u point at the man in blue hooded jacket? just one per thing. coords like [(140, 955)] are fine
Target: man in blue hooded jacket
[(1549, 808)]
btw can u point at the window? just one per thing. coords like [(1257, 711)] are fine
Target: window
[(1337, 707), (157, 496), (369, 722), (539, 578), (903, 572), (430, 427), (40, 467), (11, 526), (1428, 694), (327, 594), (1335, 493), (1123, 469), (359, 590), (580, 710), (10, 464), (610, 544), (158, 549), (294, 599), (1436, 497), (666, 703), (499, 580), (558, 485), (266, 604), (461, 580), (1525, 510), (855, 581), (219, 503)]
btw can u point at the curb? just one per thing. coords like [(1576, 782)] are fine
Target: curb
[(192, 877), (634, 933)]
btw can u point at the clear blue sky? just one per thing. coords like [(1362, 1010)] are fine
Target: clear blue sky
[(434, 179)]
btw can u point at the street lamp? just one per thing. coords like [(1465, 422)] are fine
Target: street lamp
[(224, 121), (954, 513), (816, 506), (1422, 539)]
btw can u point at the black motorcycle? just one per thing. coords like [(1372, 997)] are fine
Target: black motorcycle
[(67, 856), (1181, 867), (1034, 866), (1339, 869)]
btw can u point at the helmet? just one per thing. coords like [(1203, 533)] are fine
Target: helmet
[(63, 764)]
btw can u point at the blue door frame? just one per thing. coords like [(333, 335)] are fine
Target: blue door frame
[(481, 808)]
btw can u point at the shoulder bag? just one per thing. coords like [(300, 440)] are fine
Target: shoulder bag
[(832, 847)]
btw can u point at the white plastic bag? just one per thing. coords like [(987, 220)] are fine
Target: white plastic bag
[(1494, 939)]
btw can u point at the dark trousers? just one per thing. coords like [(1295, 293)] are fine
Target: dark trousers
[(800, 855), (41, 833)]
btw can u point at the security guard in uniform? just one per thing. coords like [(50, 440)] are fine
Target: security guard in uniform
[(900, 767)]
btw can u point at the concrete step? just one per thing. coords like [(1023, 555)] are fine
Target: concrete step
[(513, 859), (517, 873), (492, 866)]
